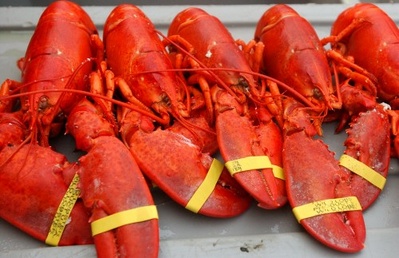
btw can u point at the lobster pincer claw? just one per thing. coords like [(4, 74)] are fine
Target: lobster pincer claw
[(40, 173), (367, 155), (319, 193), (124, 219), (242, 142), (184, 172)]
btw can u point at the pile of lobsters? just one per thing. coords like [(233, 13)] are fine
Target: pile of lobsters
[(148, 109)]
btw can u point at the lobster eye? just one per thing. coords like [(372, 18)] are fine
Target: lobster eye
[(43, 102)]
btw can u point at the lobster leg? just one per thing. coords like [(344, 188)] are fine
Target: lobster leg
[(113, 188)]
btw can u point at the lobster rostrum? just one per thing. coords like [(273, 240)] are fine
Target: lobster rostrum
[(170, 152), (124, 219), (245, 128), (355, 25), (326, 182)]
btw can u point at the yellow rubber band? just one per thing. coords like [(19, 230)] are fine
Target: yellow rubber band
[(253, 162), (62, 215), (327, 206), (122, 218), (363, 170), (206, 188)]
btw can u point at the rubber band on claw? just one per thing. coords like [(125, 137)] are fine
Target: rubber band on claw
[(116, 220), (253, 162), (363, 170), (62, 215), (206, 188), (350, 203)]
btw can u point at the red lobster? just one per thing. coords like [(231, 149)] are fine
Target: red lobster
[(366, 22), (245, 129), (33, 178), (314, 178), (175, 161), (109, 180)]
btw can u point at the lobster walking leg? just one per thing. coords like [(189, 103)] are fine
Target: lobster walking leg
[(169, 158)]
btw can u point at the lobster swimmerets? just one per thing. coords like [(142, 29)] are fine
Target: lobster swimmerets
[(174, 160), (244, 128), (301, 52)]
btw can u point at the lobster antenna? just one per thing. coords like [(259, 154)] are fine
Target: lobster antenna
[(266, 77)]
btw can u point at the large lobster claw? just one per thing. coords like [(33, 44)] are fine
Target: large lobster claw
[(33, 187), (367, 155), (178, 166), (240, 137), (124, 218), (319, 185)]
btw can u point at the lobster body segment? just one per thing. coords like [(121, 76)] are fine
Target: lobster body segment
[(157, 88)]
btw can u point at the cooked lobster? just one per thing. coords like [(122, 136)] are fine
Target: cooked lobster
[(245, 129), (314, 176), (174, 160), (34, 181)]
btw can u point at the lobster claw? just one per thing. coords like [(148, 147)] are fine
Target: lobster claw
[(239, 138), (315, 177), (124, 219), (183, 171), (327, 198), (40, 173), (367, 155)]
